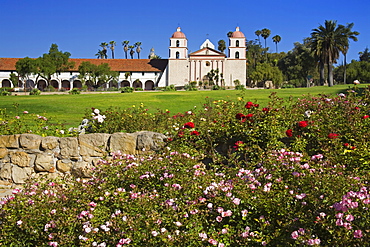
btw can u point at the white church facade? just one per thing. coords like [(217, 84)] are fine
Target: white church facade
[(179, 69)]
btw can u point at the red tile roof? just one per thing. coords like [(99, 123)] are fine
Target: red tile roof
[(124, 65)]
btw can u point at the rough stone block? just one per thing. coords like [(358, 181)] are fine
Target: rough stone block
[(69, 147), (50, 142), (20, 159), (20, 175), (125, 142), (149, 141), (3, 152), (93, 144), (81, 169), (9, 141), (64, 166), (44, 163), (30, 141), (6, 171)]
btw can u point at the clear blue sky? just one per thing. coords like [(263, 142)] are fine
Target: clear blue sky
[(29, 27)]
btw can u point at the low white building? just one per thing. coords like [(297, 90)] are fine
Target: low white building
[(179, 69)]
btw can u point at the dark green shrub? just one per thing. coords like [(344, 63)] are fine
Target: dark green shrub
[(127, 90), (74, 91), (35, 91)]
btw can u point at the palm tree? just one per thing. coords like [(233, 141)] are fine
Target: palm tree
[(276, 40), (327, 42), (104, 46), (131, 47), (138, 49), (100, 54), (125, 46), (258, 33), (265, 33), (112, 45)]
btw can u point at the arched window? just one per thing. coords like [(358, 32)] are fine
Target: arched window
[(237, 43), (177, 55), (237, 54), (177, 43)]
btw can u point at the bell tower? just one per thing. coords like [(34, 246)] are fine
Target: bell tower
[(178, 45)]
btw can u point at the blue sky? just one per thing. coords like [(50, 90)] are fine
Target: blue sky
[(29, 27)]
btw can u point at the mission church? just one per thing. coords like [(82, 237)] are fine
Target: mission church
[(178, 70)]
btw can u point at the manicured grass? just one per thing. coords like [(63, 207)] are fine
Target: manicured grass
[(70, 109)]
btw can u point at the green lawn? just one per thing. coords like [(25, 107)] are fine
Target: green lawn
[(70, 109)]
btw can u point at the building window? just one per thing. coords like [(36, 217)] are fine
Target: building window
[(208, 63), (237, 54), (177, 55), (237, 43), (177, 43)]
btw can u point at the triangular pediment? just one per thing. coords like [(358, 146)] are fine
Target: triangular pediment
[(206, 51)]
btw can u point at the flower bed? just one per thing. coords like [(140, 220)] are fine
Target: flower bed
[(232, 174)]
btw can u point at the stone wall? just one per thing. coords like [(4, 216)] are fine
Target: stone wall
[(26, 156)]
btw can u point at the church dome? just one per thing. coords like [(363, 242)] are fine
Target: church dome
[(178, 34), (237, 34)]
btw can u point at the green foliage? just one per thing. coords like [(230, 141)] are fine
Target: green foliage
[(169, 88), (127, 90), (35, 91), (18, 122), (139, 89), (50, 88), (14, 79), (355, 71), (233, 173), (96, 74), (5, 91), (265, 71), (74, 91), (192, 86)]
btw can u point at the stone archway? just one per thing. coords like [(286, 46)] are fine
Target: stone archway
[(125, 83), (149, 85), (54, 83), (6, 83), (41, 84), (137, 84), (77, 84), (66, 84)]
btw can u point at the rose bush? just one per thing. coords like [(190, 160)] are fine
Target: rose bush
[(232, 174)]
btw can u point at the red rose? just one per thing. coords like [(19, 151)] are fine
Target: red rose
[(237, 144), (194, 133), (303, 124), (266, 109), (189, 125), (249, 105), (250, 115), (239, 116), (256, 105), (180, 134), (333, 136), (289, 132), (366, 116)]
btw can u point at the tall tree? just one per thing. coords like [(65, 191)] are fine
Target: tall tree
[(100, 54), (265, 33), (104, 45), (96, 74), (258, 33), (229, 34), (112, 45), (327, 42), (53, 62), (131, 47), (125, 47), (221, 45), (365, 55), (138, 49), (276, 40), (25, 67)]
